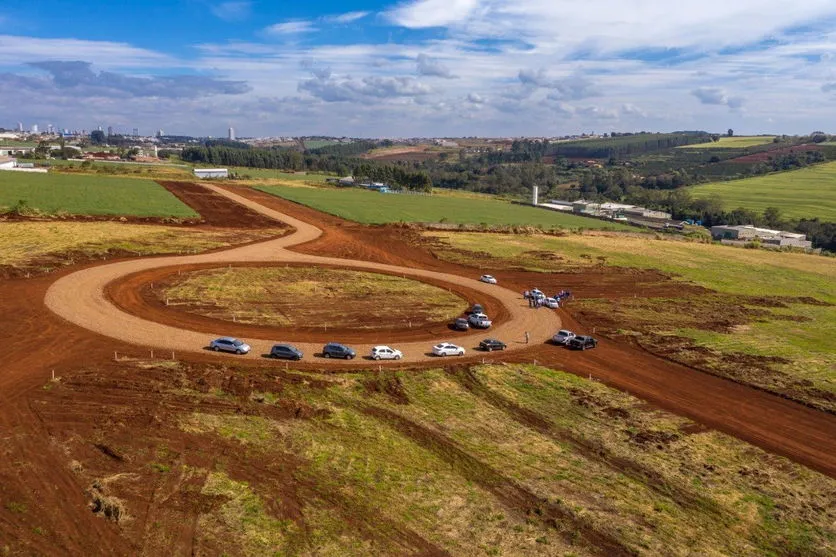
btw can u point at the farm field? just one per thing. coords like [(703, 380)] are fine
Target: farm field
[(38, 246), (307, 296), (491, 460), (265, 173), (768, 320), (375, 208), (736, 142), (90, 195), (805, 193)]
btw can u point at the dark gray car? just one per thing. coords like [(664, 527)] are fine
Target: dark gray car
[(286, 352), (336, 350)]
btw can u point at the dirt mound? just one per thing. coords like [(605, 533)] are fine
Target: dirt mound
[(765, 156)]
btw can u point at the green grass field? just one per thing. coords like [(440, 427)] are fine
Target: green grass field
[(375, 208), (90, 195), (733, 142), (807, 192), (259, 173)]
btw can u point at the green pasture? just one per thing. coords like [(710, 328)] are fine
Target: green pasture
[(89, 195), (740, 142), (804, 193), (377, 208), (269, 173)]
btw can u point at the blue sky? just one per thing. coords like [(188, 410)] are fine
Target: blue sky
[(419, 67)]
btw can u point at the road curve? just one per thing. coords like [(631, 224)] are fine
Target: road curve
[(80, 298)]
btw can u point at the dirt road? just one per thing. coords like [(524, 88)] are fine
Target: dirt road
[(81, 298)]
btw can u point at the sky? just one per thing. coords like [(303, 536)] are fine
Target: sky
[(419, 68)]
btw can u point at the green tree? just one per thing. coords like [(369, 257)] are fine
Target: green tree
[(730, 133), (97, 137)]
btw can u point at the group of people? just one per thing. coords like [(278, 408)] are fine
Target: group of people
[(537, 299)]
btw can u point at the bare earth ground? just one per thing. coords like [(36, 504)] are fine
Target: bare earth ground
[(107, 431)]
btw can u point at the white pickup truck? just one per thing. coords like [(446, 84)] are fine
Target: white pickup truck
[(479, 321)]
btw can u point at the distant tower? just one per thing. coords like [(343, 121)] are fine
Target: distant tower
[(50, 129), (535, 195), (160, 133), (35, 129), (110, 131), (136, 132), (20, 127), (232, 134)]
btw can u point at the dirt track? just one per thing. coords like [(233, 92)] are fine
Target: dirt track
[(81, 298)]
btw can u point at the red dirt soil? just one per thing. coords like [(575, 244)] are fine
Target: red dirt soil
[(37, 342)]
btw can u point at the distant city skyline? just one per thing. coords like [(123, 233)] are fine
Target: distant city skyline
[(431, 68)]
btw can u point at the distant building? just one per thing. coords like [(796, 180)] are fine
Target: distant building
[(767, 237), (20, 127), (231, 134), (160, 133), (211, 173), (110, 131), (7, 163), (136, 132), (35, 130)]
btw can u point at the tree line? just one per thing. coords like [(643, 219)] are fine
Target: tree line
[(399, 175)]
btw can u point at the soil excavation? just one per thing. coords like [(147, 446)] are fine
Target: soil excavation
[(88, 315)]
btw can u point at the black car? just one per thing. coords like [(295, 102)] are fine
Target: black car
[(491, 344), (285, 352), (336, 350), (582, 343), (461, 324), (477, 308)]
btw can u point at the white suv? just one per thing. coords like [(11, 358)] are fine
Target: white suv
[(447, 349), (386, 353), (563, 337)]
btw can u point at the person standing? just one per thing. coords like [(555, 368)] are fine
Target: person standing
[(526, 337)]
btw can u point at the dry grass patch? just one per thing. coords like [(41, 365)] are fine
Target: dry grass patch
[(25, 243), (307, 296)]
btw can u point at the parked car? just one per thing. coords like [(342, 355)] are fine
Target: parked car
[(536, 294), (491, 344), (336, 350), (461, 324), (386, 353), (582, 343), (447, 349), (490, 279), (477, 308), (563, 336), (479, 321), (285, 352), (229, 344), (551, 303)]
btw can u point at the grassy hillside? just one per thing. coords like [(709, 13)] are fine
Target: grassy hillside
[(375, 208), (733, 142), (807, 192), (90, 195)]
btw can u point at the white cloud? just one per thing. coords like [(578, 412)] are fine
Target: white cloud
[(475, 98), (16, 50), (432, 13), (348, 17), (433, 67), (295, 27), (232, 11), (717, 96)]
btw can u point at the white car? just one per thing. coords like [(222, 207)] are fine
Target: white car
[(447, 349), (536, 294), (479, 321), (551, 303), (563, 337), (490, 279), (229, 344), (386, 353)]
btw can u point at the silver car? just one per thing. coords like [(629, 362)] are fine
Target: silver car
[(229, 344)]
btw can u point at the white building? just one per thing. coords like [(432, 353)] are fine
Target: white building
[(35, 129), (231, 135), (747, 233), (211, 173), (7, 163)]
